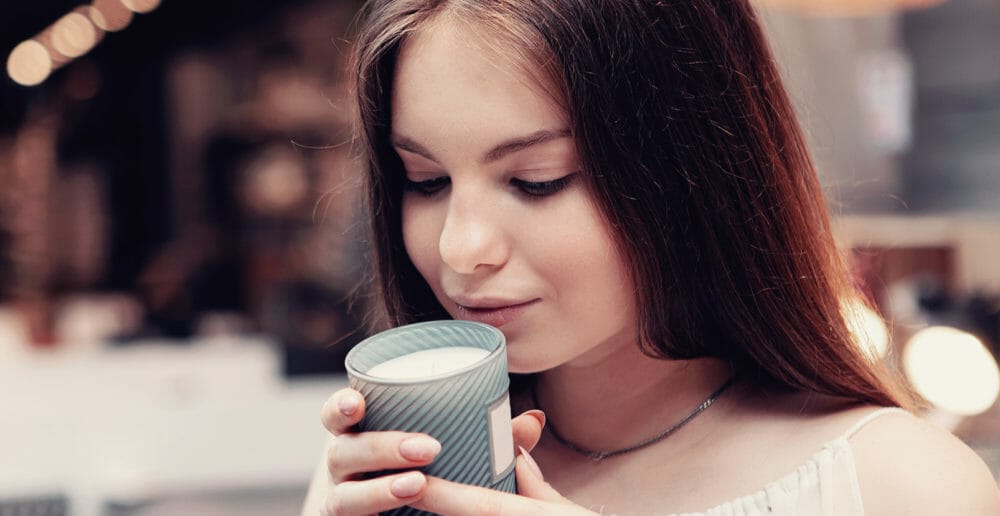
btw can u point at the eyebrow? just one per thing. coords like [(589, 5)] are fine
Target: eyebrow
[(502, 149)]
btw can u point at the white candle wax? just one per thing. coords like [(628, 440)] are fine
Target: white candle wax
[(428, 362)]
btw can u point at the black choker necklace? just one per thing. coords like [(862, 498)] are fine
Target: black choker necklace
[(600, 455)]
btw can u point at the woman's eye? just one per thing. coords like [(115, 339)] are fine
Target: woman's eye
[(427, 187), (542, 188)]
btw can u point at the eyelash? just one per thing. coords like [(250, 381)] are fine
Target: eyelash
[(531, 189), (425, 188), (538, 189)]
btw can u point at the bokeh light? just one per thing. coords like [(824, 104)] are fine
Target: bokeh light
[(868, 328), (952, 369), (45, 38), (29, 63), (73, 35), (275, 182), (110, 15), (141, 6)]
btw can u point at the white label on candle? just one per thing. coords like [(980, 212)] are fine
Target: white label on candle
[(501, 436), (428, 362)]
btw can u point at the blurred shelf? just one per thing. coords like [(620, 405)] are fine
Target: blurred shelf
[(973, 237)]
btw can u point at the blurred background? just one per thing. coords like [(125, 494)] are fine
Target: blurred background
[(180, 242)]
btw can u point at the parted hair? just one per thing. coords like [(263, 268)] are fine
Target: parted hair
[(690, 148)]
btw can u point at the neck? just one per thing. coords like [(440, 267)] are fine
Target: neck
[(625, 396)]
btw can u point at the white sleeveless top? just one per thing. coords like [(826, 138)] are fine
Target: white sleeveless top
[(825, 485)]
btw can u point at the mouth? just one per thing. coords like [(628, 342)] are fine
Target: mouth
[(494, 314)]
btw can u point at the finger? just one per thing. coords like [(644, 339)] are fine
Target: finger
[(350, 454), (531, 482), (376, 495), (528, 429), (342, 410), (449, 498)]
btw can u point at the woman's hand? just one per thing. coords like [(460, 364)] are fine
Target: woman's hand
[(351, 454), (535, 496)]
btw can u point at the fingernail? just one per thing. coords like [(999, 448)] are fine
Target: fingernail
[(348, 404), (537, 414), (531, 463), (420, 448), (407, 486)]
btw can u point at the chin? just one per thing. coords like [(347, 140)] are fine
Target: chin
[(518, 367), (519, 364), (526, 365)]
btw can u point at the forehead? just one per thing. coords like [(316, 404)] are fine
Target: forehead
[(452, 68)]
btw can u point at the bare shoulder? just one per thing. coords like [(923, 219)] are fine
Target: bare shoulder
[(906, 465)]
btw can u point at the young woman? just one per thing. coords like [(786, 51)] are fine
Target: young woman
[(621, 188)]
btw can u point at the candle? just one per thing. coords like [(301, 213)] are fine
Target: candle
[(447, 379), (428, 362)]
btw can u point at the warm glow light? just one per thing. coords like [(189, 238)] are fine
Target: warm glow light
[(110, 15), (275, 181), (141, 6), (869, 330), (73, 35), (87, 11), (45, 38), (29, 63), (952, 369)]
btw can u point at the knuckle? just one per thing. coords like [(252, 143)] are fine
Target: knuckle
[(338, 503), (334, 457), (333, 506)]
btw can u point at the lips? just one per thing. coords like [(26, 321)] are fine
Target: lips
[(493, 313)]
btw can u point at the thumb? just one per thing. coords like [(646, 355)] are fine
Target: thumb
[(528, 429), (531, 482)]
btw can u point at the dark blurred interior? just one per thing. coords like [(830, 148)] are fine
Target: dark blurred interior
[(196, 163)]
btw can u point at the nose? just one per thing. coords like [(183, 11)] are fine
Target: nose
[(473, 238)]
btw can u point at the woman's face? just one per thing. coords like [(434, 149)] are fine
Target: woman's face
[(496, 216)]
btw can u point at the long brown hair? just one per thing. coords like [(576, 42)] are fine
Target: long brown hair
[(691, 149)]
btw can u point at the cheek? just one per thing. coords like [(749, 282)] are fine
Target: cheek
[(595, 269), (420, 238)]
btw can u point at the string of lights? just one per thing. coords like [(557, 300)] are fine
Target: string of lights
[(74, 34)]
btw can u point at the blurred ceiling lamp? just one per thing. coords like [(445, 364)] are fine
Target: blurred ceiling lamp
[(274, 181), (141, 6), (952, 369), (848, 7), (29, 63), (110, 15), (73, 35), (868, 328)]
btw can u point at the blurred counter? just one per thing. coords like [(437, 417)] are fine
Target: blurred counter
[(131, 425)]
